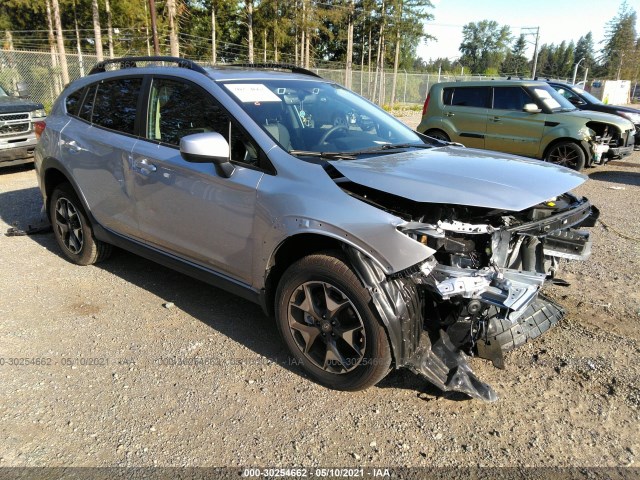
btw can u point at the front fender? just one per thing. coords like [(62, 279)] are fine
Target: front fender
[(389, 248), (581, 136)]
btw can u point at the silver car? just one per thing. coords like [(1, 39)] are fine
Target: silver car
[(373, 246)]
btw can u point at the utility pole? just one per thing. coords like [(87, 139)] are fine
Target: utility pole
[(532, 31), (154, 27)]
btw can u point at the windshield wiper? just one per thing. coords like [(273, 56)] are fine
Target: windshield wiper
[(385, 148), (327, 155), (391, 146), (381, 149)]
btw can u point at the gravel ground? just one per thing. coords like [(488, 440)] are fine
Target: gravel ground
[(101, 387)]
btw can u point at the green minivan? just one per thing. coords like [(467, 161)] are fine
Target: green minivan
[(524, 117)]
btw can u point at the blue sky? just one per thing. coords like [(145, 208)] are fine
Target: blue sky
[(558, 20)]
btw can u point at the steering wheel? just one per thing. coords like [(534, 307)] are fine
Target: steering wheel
[(331, 131)]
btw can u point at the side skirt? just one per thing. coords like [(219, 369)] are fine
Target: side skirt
[(181, 265)]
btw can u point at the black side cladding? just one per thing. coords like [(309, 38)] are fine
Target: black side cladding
[(401, 306), (444, 365), (399, 303)]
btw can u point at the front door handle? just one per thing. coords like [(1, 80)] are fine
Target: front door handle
[(144, 167), (450, 114), (495, 119)]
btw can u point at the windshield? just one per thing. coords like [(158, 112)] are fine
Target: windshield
[(590, 98), (552, 99), (312, 117)]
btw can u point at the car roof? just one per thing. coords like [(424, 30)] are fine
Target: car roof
[(149, 64), (229, 73), (494, 83), (562, 84)]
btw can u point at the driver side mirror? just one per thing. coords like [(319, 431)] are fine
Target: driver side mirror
[(531, 108), (209, 147)]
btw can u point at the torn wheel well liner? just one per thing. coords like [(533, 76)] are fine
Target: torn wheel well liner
[(399, 303)]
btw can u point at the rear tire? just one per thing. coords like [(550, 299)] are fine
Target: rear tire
[(327, 319), (72, 229), (567, 154), (438, 135)]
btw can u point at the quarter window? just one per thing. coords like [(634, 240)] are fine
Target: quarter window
[(87, 106), (73, 102)]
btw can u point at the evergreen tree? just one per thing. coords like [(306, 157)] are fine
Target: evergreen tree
[(515, 62), (619, 52)]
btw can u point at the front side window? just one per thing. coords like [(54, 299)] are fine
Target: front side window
[(510, 98), (467, 97), (177, 109), (569, 95), (115, 104), (587, 95)]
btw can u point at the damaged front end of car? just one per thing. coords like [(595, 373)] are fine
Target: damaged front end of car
[(479, 293)]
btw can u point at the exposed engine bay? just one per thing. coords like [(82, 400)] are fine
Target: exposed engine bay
[(479, 293), (606, 142)]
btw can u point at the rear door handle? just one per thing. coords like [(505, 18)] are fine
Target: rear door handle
[(495, 119), (144, 167), (450, 114)]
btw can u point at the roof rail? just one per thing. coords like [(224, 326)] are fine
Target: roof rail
[(131, 62), (281, 66)]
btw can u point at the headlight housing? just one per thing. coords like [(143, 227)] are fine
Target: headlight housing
[(39, 113)]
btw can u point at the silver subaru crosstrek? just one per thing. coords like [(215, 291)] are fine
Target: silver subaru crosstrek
[(372, 246)]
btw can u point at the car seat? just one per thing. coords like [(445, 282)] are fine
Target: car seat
[(270, 116)]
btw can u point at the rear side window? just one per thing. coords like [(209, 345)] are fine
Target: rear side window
[(510, 98), (73, 101), (115, 104), (467, 96)]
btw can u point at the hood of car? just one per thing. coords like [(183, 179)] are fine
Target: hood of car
[(16, 104), (621, 122), (614, 109), (462, 176)]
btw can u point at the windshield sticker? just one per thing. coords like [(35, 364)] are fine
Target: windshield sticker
[(252, 92)]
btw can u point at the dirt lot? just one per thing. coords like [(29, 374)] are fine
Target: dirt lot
[(87, 375)]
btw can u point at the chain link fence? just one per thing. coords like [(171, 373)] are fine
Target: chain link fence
[(411, 88), (39, 75)]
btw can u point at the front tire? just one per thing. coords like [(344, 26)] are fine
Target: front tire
[(566, 154), (326, 318), (438, 135), (73, 230)]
